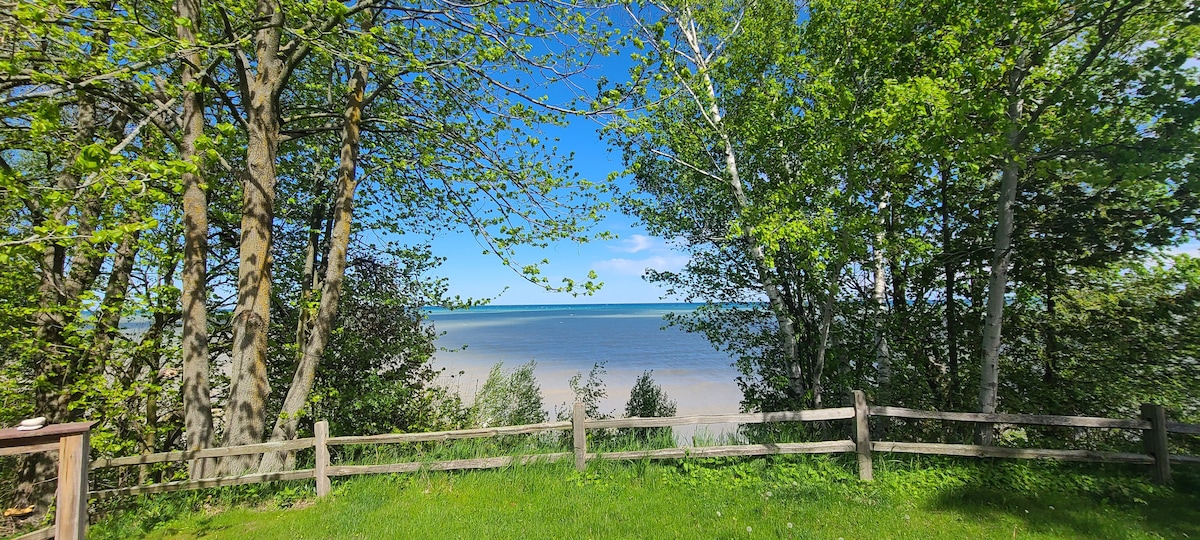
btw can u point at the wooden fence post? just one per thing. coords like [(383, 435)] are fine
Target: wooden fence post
[(580, 436), (862, 436), (1155, 441), (71, 515), (320, 470)]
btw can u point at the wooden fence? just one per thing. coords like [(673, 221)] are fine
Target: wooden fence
[(1152, 424)]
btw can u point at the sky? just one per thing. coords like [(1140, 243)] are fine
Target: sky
[(619, 263)]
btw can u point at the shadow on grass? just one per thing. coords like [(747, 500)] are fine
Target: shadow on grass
[(199, 528), (1111, 512)]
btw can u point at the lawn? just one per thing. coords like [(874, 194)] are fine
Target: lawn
[(795, 497)]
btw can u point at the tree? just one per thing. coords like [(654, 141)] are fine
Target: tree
[(197, 407), (873, 149), (648, 400), (509, 398), (119, 172), (712, 141)]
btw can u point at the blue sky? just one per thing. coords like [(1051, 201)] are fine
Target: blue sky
[(619, 263)]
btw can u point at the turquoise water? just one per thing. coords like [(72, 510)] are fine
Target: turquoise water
[(567, 339)]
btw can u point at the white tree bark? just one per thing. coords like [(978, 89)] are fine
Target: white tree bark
[(989, 376), (883, 354), (708, 104)]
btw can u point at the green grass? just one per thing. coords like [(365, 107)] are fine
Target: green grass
[(796, 497)]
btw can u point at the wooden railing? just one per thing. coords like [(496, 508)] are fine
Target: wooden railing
[(1153, 426), (71, 443)]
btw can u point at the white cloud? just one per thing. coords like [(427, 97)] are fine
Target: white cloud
[(637, 243), (637, 267)]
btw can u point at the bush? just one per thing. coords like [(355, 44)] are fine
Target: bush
[(509, 398), (647, 400), (589, 393)]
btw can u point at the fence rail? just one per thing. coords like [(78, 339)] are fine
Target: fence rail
[(1176, 427), (391, 438), (226, 451), (839, 413), (1024, 419), (223, 481), (1152, 424), (450, 465), (970, 450)]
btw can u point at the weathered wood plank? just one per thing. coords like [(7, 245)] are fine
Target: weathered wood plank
[(579, 436), (1185, 459), (1179, 427), (321, 436), (451, 465), (862, 436), (161, 457), (1155, 441), (16, 450), (224, 481), (824, 447), (837, 413), (51, 432), (71, 515), (392, 438), (40, 534), (970, 450), (1001, 418)]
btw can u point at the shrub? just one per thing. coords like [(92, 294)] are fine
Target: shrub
[(509, 398), (590, 392), (647, 399)]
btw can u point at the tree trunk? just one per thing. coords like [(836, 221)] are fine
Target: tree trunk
[(335, 272), (148, 355), (197, 398), (951, 271), (109, 319), (59, 290), (775, 299), (1050, 375), (150, 428), (989, 376), (246, 409), (309, 280), (827, 307), (883, 353)]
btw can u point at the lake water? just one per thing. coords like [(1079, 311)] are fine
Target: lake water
[(565, 340)]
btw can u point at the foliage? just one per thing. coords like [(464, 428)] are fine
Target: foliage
[(509, 398), (589, 392), (833, 170), (377, 377), (647, 399)]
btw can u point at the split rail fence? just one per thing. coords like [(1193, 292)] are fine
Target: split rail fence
[(1152, 424)]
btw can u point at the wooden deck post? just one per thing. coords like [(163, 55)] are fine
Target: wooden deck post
[(862, 436), (580, 436), (71, 517), (1155, 441), (321, 469), (73, 444)]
